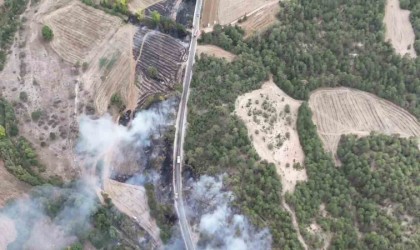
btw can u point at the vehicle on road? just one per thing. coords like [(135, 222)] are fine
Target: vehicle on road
[(178, 159), (176, 195)]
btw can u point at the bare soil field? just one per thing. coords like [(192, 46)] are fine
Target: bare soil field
[(132, 200), (398, 29), (10, 187), (340, 111), (50, 84), (161, 52), (263, 112), (270, 117), (112, 71), (8, 232), (215, 51), (135, 5), (230, 11), (78, 29), (1, 3), (261, 20), (210, 14)]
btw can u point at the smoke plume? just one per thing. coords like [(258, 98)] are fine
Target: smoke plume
[(53, 218)]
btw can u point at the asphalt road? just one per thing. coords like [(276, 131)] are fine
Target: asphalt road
[(180, 133)]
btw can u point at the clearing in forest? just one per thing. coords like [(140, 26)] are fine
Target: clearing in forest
[(136, 5), (398, 28), (78, 29), (261, 20), (270, 116), (340, 111), (215, 51), (132, 200)]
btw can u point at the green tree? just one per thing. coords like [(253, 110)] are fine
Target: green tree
[(156, 17), (47, 33)]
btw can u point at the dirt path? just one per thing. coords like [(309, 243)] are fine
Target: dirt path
[(295, 223), (399, 29)]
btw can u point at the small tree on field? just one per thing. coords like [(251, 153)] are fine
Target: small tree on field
[(155, 17), (47, 33), (152, 72), (287, 108), (23, 96)]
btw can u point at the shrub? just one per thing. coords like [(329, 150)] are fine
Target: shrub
[(23, 96), (53, 136), (47, 33), (36, 115), (152, 72), (85, 66)]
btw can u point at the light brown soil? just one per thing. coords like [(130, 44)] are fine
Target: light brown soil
[(132, 200), (291, 150), (8, 232), (119, 77), (136, 5), (215, 51), (230, 11), (33, 67), (261, 20), (78, 29), (1, 3), (398, 28), (340, 111), (210, 13), (10, 187)]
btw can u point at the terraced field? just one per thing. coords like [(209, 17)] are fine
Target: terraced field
[(135, 5), (340, 111), (162, 52), (79, 29)]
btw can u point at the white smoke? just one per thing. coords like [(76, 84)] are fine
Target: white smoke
[(102, 143), (219, 226)]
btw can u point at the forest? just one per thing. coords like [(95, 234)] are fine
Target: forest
[(316, 44)]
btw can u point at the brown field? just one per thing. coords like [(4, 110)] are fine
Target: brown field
[(210, 13), (290, 151), (230, 11), (398, 28), (10, 187), (135, 5), (215, 51), (117, 76), (340, 111), (8, 232), (78, 29), (132, 200), (261, 20)]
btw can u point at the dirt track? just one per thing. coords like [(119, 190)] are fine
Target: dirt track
[(340, 111), (399, 29)]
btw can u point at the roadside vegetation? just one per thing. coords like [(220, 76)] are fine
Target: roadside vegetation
[(312, 47)]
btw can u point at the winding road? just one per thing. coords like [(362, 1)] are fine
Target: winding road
[(180, 133)]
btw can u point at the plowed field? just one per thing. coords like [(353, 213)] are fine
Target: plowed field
[(78, 29), (346, 111)]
